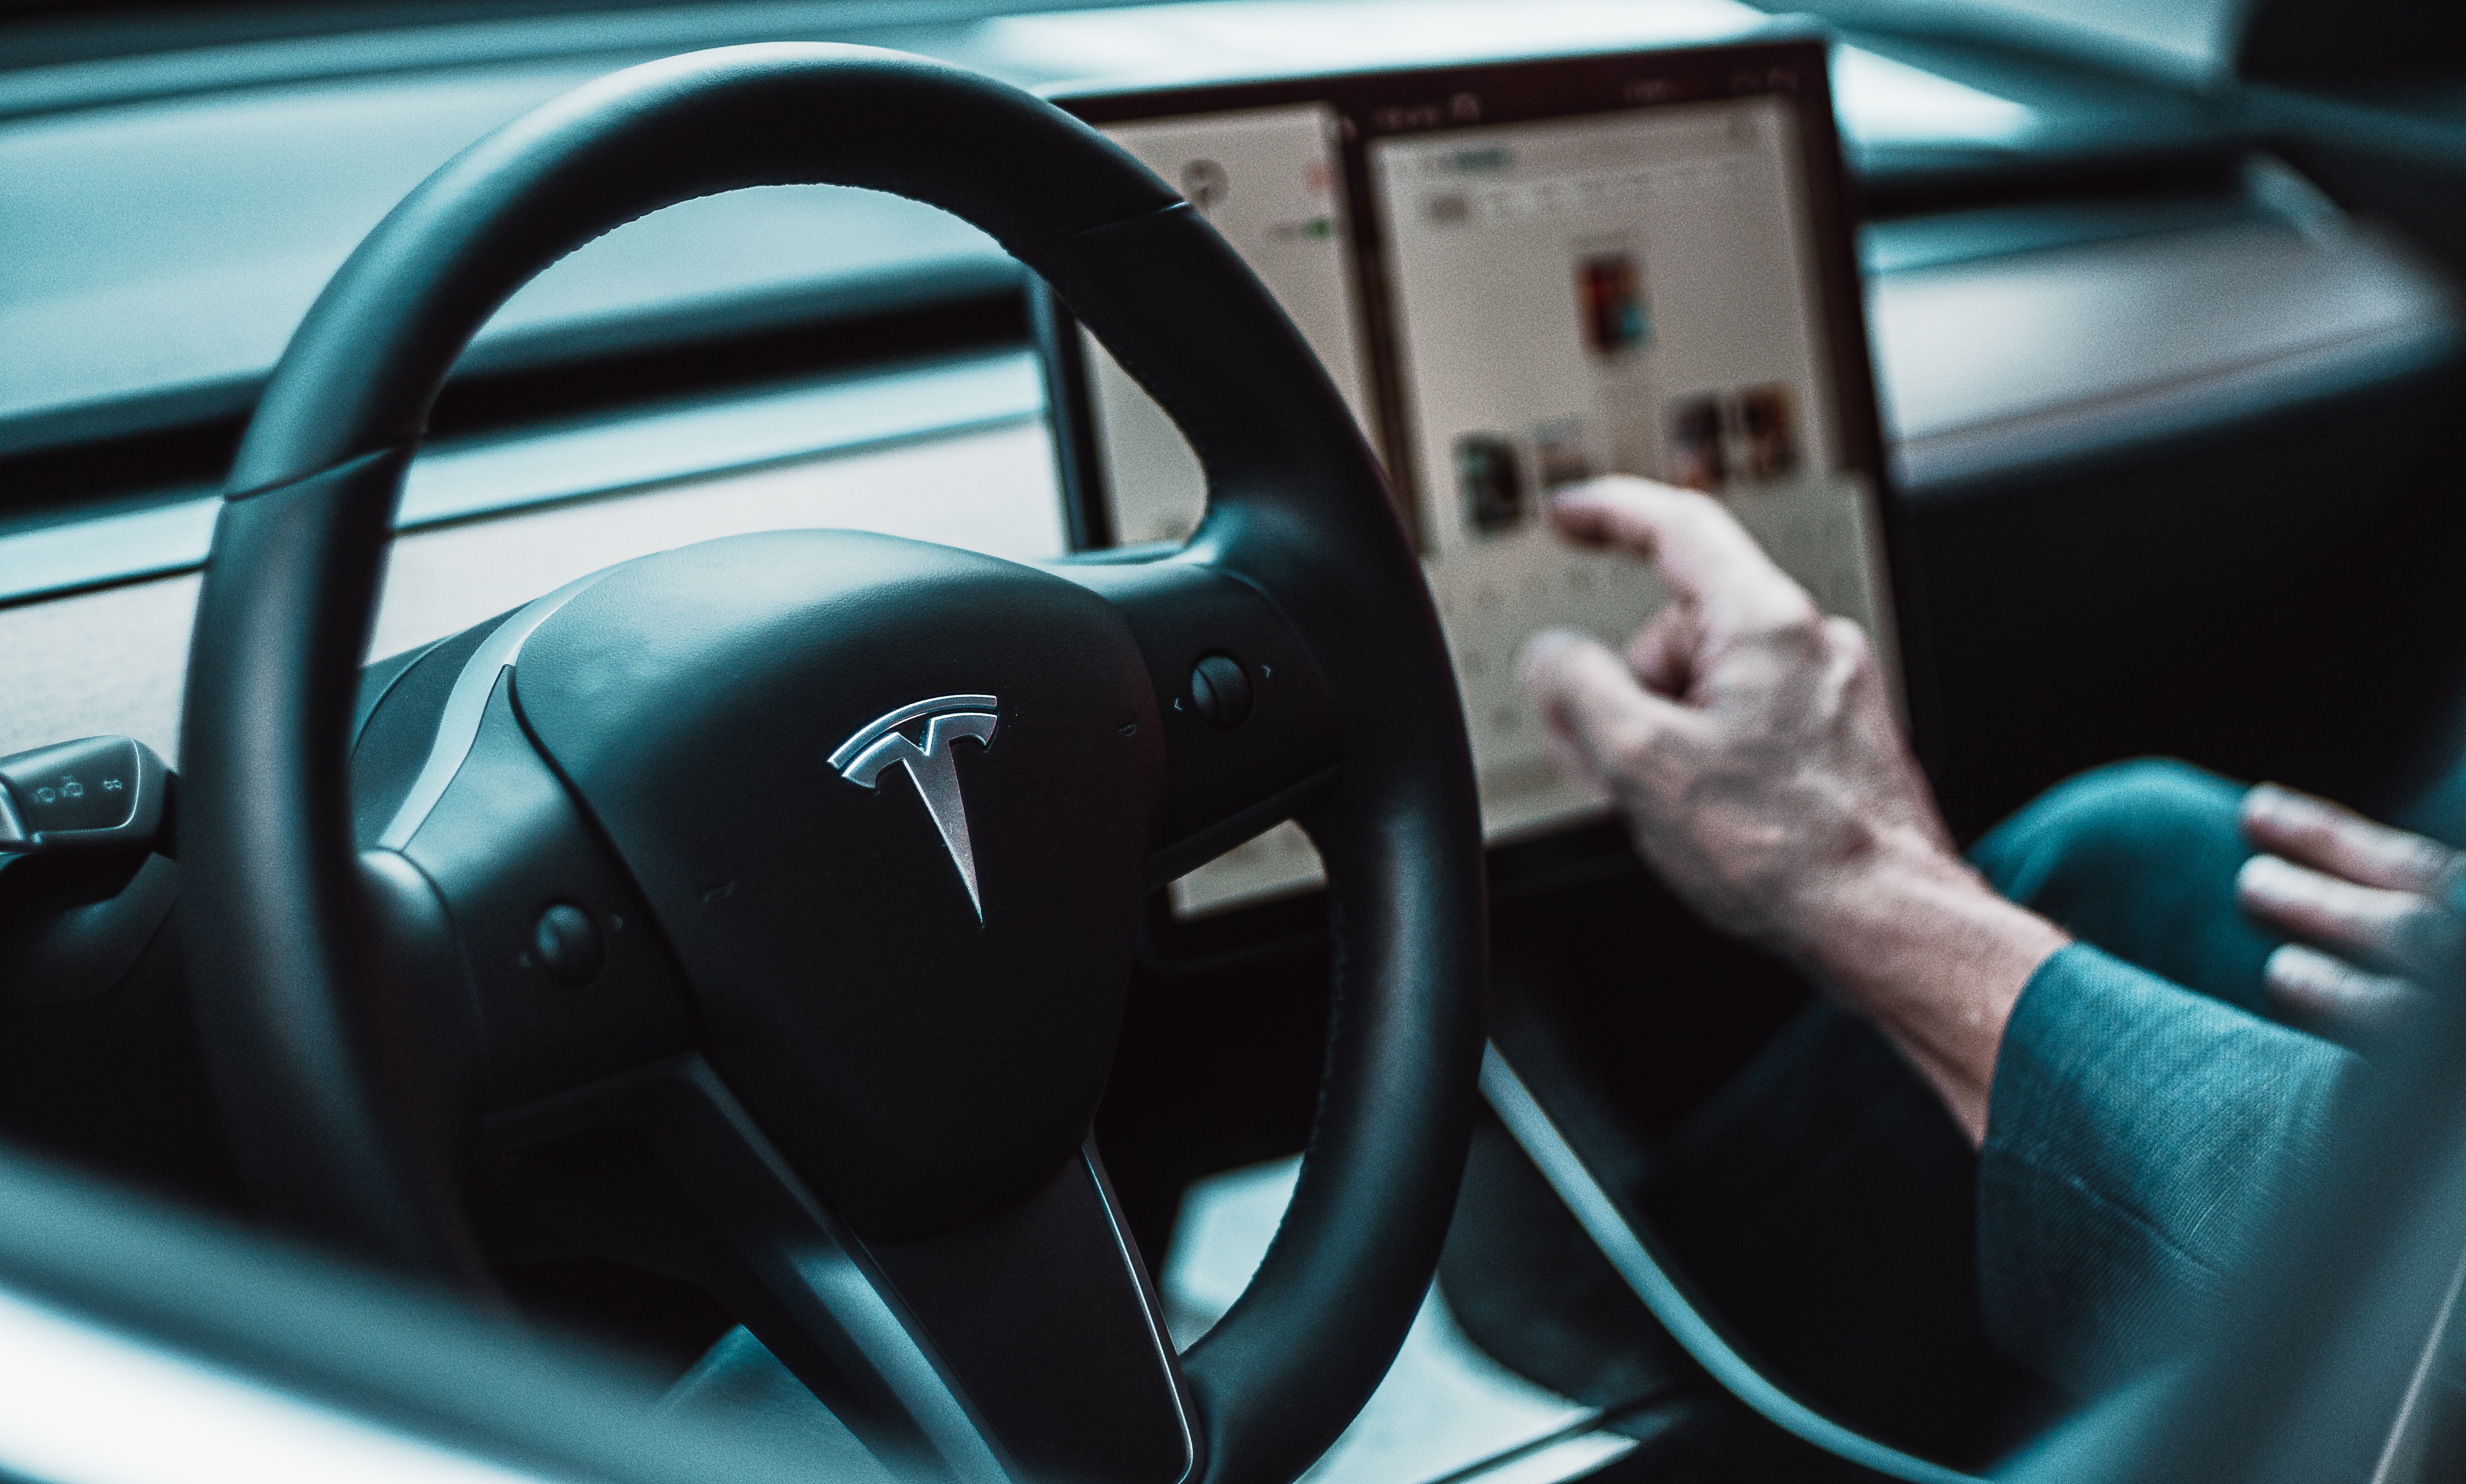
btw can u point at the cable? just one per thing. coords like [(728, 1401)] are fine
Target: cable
[(1600, 1217)]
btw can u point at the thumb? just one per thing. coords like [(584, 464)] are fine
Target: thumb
[(1605, 729)]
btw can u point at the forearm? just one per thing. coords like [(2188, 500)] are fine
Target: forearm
[(1916, 941)]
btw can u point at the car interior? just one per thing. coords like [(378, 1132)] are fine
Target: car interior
[(779, 738)]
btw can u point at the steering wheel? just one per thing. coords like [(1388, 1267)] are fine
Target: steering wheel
[(762, 911)]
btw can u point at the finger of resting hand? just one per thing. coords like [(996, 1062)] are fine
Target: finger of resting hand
[(2373, 926), (2313, 988), (1702, 551), (1591, 698), (2327, 836)]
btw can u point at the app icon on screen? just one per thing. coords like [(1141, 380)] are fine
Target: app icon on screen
[(1492, 486), (1204, 182), (1695, 458), (1609, 293), (1767, 429)]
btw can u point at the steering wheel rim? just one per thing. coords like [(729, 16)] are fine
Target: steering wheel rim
[(317, 1020)]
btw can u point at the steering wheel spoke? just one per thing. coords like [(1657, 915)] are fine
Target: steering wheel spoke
[(1023, 1345), (1250, 731), (560, 959)]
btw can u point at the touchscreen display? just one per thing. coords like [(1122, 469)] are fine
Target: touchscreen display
[(1511, 306), (1631, 291)]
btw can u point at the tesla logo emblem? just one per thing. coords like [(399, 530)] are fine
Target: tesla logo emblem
[(878, 743)]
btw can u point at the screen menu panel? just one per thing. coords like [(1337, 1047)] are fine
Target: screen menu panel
[(1513, 305), (1269, 180), (1628, 292)]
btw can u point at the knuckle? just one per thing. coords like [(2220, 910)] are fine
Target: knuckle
[(2427, 861), (1849, 643), (1796, 626), (1800, 642)]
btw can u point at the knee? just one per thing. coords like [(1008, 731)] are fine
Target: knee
[(2108, 822)]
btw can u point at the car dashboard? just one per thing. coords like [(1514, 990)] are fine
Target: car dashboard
[(2161, 367)]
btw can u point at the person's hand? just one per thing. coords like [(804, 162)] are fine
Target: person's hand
[(2374, 912), (1748, 739), (1752, 745)]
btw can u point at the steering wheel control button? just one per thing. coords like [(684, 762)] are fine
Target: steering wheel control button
[(1219, 692), (95, 792), (566, 946)]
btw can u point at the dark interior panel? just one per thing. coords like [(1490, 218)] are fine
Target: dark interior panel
[(2389, 150), (2273, 598), (2292, 38)]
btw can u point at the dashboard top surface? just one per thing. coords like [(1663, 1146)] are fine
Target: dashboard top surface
[(181, 210)]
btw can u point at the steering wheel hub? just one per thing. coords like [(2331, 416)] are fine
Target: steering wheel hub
[(923, 1065)]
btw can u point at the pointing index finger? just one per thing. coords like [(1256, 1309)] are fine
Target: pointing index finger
[(1707, 559)]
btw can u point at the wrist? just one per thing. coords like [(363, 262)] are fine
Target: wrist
[(1914, 940), (1841, 908)]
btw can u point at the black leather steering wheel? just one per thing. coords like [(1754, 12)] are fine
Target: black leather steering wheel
[(763, 910)]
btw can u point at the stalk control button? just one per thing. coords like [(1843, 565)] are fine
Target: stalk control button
[(98, 792)]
